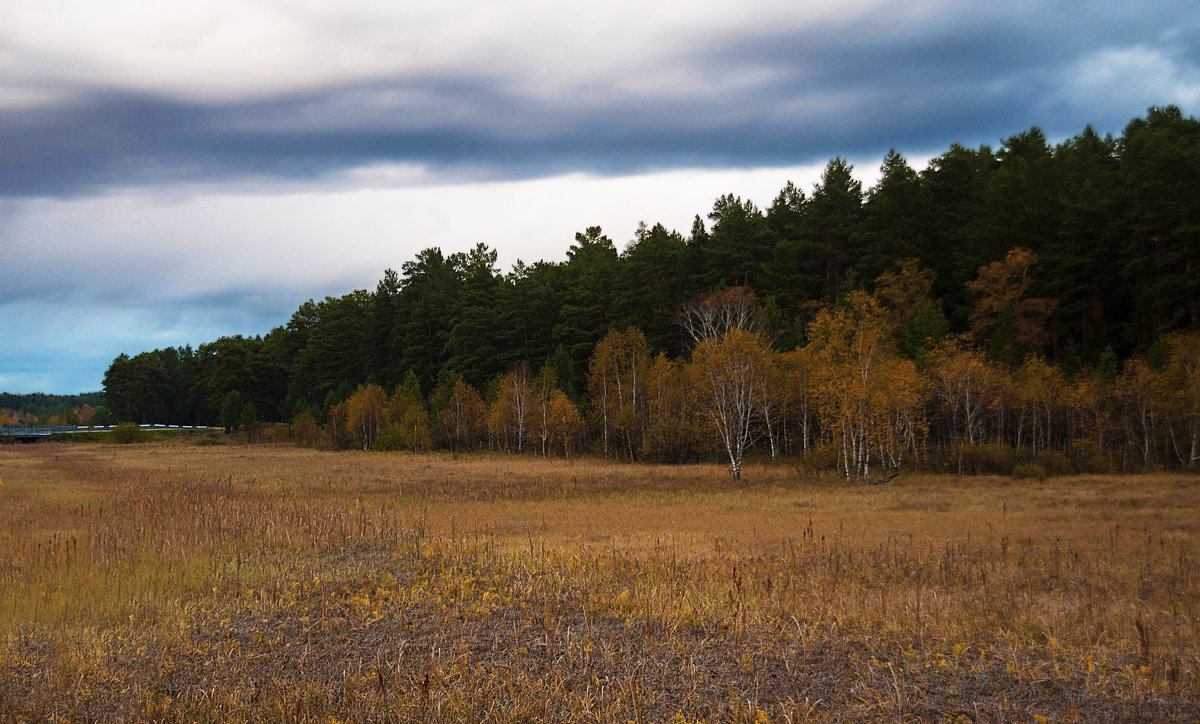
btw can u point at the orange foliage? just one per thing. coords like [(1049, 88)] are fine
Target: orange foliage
[(903, 289), (967, 386), (728, 392), (1001, 287), (671, 427), (565, 423), (616, 386), (511, 413), (304, 429), (365, 415), (867, 398), (463, 418)]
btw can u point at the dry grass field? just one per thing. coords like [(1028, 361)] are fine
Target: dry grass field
[(185, 583)]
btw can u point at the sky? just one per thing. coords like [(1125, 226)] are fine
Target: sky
[(174, 172)]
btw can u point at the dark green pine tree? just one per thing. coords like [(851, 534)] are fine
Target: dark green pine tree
[(423, 320), (189, 405), (649, 287), (739, 246), (300, 326), (334, 355), (954, 183), (1083, 262), (122, 390), (1160, 174), (529, 307), (570, 379), (896, 219), (269, 366), (832, 222), (385, 304), (1021, 200), (172, 391), (1021, 205), (226, 366), (474, 345), (590, 280), (795, 275), (697, 249), (297, 331)]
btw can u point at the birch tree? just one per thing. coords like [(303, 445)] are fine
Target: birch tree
[(727, 372), (365, 415), (565, 423), (463, 416), (543, 387), (511, 412), (1179, 398), (715, 314), (966, 384), (617, 388), (849, 345)]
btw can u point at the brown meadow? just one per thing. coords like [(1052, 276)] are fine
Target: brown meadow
[(184, 583)]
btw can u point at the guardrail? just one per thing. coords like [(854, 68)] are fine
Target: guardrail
[(33, 432)]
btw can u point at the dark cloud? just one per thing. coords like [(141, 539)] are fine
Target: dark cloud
[(772, 98), (961, 78)]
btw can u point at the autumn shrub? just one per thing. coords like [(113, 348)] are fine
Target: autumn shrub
[(253, 430), (666, 441), (336, 435), (993, 458), (1054, 462), (1096, 462), (391, 437), (1027, 471), (305, 430), (128, 432), (275, 433), (819, 457)]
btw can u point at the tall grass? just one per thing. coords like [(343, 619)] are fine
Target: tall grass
[(179, 583)]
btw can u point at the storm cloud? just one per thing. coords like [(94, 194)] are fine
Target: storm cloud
[(493, 103)]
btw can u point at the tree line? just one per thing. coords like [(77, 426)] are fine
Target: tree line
[(1059, 263), (43, 409)]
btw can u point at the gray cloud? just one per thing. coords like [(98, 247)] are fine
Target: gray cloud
[(841, 86)]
